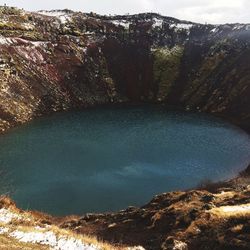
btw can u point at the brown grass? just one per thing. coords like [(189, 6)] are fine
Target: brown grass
[(7, 243), (27, 221), (239, 211)]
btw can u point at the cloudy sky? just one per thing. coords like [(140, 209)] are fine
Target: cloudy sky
[(210, 11)]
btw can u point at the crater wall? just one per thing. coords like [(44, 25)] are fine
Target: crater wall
[(60, 60)]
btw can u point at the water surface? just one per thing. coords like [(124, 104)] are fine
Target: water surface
[(105, 159)]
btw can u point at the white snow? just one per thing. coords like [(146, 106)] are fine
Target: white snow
[(6, 216), (39, 43), (84, 50), (241, 26), (44, 235), (123, 23), (61, 15), (214, 30), (17, 41), (46, 238), (41, 235), (71, 243), (64, 18), (181, 26), (157, 23), (49, 238), (238, 26)]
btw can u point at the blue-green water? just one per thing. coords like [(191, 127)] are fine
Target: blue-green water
[(105, 159)]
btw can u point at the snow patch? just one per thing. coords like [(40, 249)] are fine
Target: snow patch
[(39, 43), (63, 16), (44, 235), (214, 30), (181, 27), (67, 244), (123, 23), (157, 23), (6, 216), (21, 41), (49, 238), (238, 26)]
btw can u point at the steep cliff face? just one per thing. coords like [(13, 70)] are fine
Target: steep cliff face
[(59, 60)]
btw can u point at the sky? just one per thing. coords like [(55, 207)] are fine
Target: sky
[(202, 11)]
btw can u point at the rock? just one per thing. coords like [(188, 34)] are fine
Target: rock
[(193, 213), (246, 228), (208, 206), (135, 248), (172, 244), (207, 198)]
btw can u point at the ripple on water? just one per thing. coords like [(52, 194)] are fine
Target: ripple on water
[(104, 159)]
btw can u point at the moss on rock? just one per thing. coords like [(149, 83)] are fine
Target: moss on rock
[(166, 68)]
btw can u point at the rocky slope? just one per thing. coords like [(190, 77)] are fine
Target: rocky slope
[(212, 219), (59, 60), (31, 230)]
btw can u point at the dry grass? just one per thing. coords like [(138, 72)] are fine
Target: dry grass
[(7, 243), (228, 194), (242, 210), (84, 238), (30, 222)]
